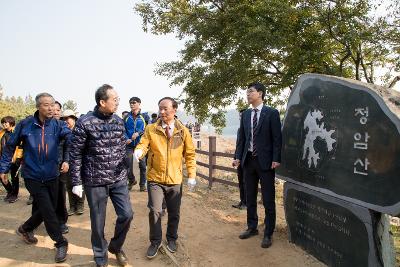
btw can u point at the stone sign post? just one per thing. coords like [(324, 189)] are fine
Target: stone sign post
[(341, 137), (334, 231)]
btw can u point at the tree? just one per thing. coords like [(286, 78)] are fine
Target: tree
[(229, 44), (70, 104), (17, 107)]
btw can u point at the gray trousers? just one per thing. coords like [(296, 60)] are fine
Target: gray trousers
[(172, 195)]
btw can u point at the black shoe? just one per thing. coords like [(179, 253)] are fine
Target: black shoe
[(29, 201), (64, 228), (102, 265), (152, 250), (143, 188), (237, 206), (12, 199), (61, 253), (122, 259), (28, 237), (71, 211), (248, 233), (266, 242), (79, 210), (171, 246), (240, 206), (131, 184)]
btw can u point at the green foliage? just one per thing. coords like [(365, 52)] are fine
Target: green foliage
[(17, 107), (229, 44)]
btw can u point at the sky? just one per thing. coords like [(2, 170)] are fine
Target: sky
[(70, 48)]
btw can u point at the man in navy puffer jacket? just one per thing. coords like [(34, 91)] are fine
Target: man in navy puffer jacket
[(40, 135), (98, 162)]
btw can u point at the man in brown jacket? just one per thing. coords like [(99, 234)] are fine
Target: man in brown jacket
[(167, 143)]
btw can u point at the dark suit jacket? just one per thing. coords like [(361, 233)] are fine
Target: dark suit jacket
[(268, 137)]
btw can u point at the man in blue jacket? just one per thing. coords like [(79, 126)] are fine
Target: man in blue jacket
[(40, 135), (135, 123)]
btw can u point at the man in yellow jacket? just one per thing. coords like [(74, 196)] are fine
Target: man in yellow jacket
[(167, 143)]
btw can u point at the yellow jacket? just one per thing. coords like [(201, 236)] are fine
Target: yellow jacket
[(18, 151), (164, 164)]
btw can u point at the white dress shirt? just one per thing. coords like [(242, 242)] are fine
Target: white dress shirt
[(259, 108), (171, 127)]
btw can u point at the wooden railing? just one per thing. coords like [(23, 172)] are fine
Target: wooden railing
[(212, 166)]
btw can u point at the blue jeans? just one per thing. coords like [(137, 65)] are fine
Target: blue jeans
[(97, 197)]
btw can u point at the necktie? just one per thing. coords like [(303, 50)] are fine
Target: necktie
[(254, 132), (167, 132)]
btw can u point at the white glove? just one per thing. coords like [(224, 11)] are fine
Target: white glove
[(191, 183), (77, 190), (137, 154)]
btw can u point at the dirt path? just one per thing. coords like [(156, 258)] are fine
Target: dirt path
[(208, 231)]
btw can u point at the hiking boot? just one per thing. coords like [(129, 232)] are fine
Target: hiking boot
[(143, 188), (12, 199), (152, 250), (131, 184), (64, 228), (122, 259), (61, 253), (30, 200), (171, 246), (71, 211), (28, 237)]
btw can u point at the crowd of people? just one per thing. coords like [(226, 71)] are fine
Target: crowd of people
[(93, 157)]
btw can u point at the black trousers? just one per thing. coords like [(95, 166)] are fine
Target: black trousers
[(12, 187), (242, 186), (252, 175), (75, 202), (45, 196), (61, 209), (142, 167), (97, 197), (172, 195)]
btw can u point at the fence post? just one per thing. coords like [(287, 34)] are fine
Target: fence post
[(212, 147)]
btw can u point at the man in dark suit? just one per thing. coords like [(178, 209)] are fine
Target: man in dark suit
[(259, 153)]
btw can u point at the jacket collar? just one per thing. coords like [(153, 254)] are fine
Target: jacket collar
[(178, 126), (101, 115), (37, 120)]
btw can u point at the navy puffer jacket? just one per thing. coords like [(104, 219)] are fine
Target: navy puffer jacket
[(97, 154)]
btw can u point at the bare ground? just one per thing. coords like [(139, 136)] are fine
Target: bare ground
[(208, 232)]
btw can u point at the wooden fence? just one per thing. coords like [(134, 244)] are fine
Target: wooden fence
[(212, 166)]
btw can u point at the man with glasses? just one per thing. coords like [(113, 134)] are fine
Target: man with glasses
[(135, 123), (98, 162), (258, 151)]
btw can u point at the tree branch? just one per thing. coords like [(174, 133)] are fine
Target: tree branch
[(394, 81)]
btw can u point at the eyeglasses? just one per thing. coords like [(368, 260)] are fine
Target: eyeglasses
[(251, 90)]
